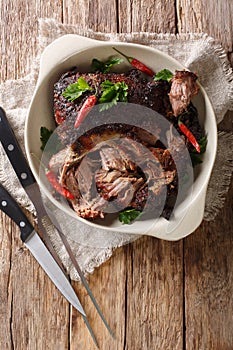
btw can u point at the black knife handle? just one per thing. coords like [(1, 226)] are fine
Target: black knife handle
[(14, 152), (13, 210)]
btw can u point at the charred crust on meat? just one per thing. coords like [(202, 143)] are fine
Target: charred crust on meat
[(110, 172)]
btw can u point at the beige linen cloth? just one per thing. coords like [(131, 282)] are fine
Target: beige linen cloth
[(199, 53)]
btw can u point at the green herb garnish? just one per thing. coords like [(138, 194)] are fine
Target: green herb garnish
[(195, 156), (44, 136), (105, 66), (74, 91), (51, 147), (128, 215), (112, 93), (164, 74)]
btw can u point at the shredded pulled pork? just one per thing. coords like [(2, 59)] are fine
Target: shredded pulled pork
[(183, 88), (113, 165), (115, 174)]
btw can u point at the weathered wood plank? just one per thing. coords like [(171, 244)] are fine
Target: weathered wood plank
[(27, 297), (140, 291), (19, 29), (147, 276), (100, 16), (150, 16), (33, 315), (108, 282), (208, 252), (212, 17), (108, 286), (209, 282), (118, 285), (154, 295), (5, 283)]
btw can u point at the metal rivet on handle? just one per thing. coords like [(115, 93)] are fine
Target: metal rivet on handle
[(4, 203), (10, 147), (22, 224), (23, 176)]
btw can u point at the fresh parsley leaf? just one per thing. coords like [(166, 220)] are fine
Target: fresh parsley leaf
[(74, 91), (105, 66), (194, 155), (112, 93), (107, 84), (51, 147), (128, 215), (44, 136), (195, 159), (164, 74), (123, 91)]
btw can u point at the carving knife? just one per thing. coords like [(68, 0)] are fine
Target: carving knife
[(25, 176), (48, 260), (34, 243)]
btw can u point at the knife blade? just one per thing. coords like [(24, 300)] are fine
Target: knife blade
[(26, 178), (28, 182), (34, 243), (81, 275)]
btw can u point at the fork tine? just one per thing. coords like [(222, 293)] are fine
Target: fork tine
[(83, 279), (90, 331)]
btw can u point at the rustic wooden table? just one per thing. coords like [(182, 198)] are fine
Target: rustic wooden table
[(155, 294)]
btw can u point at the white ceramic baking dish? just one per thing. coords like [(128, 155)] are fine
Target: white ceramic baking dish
[(73, 50)]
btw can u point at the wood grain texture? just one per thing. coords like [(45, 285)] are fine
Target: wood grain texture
[(6, 293), (150, 16), (28, 299), (140, 291), (100, 16), (154, 294), (208, 256), (208, 283), (109, 292), (212, 17), (19, 28)]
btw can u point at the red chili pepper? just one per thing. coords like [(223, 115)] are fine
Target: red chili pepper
[(57, 186), (189, 135), (85, 109), (137, 64)]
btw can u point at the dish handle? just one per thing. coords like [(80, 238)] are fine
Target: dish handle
[(60, 49), (185, 222)]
